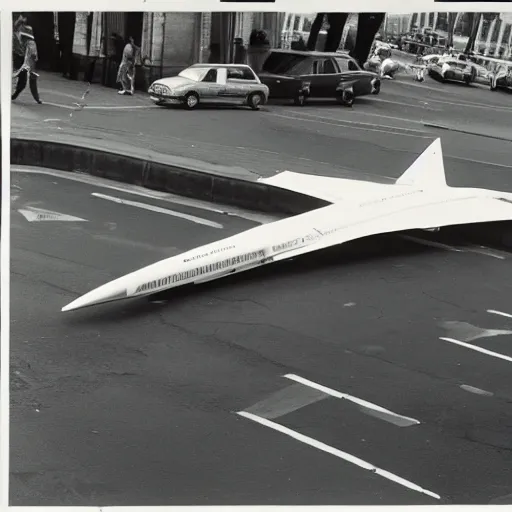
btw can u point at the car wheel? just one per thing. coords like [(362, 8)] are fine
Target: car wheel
[(346, 98), (191, 100), (255, 100), (300, 100)]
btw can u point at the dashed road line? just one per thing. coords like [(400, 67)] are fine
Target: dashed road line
[(158, 209), (338, 453), (476, 391), (430, 243), (481, 249), (485, 251), (500, 313), (285, 401), (104, 183), (373, 409), (351, 124), (478, 349), (467, 332)]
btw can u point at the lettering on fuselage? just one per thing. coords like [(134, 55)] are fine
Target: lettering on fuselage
[(201, 271), (215, 251), (384, 199)]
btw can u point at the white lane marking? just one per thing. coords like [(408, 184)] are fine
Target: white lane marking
[(500, 313), (101, 107), (338, 453), (120, 107), (478, 349), (350, 124), (67, 107), (476, 391), (285, 401), (158, 209), (453, 103), (363, 123), (471, 104), (368, 114), (421, 105), (468, 332), (484, 251), (40, 215), (387, 415), (143, 192), (430, 243)]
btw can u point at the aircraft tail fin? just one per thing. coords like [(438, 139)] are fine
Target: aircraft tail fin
[(427, 170)]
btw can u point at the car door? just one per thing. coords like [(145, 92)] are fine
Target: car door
[(324, 79), (351, 75), (211, 88), (239, 84)]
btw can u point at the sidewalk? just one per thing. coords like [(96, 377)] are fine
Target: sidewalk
[(55, 89)]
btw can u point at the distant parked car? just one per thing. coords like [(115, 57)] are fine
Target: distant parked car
[(452, 69), (211, 83), (301, 75), (501, 78)]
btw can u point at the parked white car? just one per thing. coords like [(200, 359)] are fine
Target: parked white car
[(211, 83)]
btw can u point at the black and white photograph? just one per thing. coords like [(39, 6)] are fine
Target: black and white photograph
[(260, 258)]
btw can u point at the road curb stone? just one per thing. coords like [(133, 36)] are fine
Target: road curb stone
[(154, 175), (163, 177)]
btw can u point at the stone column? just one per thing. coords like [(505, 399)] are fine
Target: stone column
[(489, 37), (500, 39)]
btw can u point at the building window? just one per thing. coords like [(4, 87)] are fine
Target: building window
[(496, 32), (414, 19), (442, 21), (506, 33)]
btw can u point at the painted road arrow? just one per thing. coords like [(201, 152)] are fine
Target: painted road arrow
[(40, 215)]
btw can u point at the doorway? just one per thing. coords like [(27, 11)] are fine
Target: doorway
[(133, 26)]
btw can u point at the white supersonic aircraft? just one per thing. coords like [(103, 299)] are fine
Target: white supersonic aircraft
[(420, 199)]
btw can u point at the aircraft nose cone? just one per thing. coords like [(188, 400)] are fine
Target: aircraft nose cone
[(101, 295)]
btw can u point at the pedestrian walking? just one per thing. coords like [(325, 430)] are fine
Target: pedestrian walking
[(126, 72), (18, 47), (28, 69)]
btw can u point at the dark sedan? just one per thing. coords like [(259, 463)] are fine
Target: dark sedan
[(300, 75)]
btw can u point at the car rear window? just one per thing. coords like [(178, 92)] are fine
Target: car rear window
[(240, 74), (280, 63), (346, 64)]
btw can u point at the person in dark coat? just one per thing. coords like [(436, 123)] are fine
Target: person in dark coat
[(18, 47), (28, 69)]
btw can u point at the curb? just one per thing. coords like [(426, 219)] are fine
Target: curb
[(250, 195), (195, 184)]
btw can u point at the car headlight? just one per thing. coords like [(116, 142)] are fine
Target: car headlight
[(160, 89)]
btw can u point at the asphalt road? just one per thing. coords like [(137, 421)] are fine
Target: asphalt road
[(378, 138), (136, 403)]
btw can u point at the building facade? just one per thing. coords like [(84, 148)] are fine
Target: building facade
[(494, 35), (168, 41)]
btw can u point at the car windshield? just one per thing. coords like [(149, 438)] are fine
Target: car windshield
[(459, 64), (196, 74), (284, 63)]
